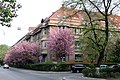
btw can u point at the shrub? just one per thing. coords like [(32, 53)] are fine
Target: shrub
[(89, 72), (48, 62), (117, 69), (91, 66), (106, 70), (45, 67), (104, 73), (61, 67)]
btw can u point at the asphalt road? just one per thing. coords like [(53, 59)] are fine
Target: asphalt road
[(20, 74)]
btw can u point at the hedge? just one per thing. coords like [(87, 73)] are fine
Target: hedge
[(45, 67)]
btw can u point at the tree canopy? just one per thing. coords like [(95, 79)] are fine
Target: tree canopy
[(61, 42), (8, 10), (22, 53), (97, 12), (3, 51), (115, 54)]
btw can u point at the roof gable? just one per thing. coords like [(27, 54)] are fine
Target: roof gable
[(66, 16)]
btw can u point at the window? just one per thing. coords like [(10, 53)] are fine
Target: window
[(44, 31), (32, 39), (77, 44), (44, 44), (110, 34), (63, 58), (78, 57), (61, 27), (77, 31), (37, 37)]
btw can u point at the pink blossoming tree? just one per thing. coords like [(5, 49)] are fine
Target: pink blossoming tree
[(61, 42), (23, 53)]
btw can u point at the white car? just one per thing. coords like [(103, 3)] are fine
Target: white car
[(6, 66)]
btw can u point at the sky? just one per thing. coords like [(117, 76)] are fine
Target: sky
[(29, 15)]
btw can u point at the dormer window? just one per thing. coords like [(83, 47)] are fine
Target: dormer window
[(58, 16)]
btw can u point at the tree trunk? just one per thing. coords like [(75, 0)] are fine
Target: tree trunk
[(100, 58)]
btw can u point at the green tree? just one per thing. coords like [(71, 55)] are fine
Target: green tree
[(8, 9), (3, 51), (96, 12), (115, 55)]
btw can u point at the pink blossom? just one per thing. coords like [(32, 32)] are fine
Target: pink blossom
[(22, 53), (61, 42)]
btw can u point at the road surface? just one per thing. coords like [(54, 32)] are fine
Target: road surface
[(20, 74)]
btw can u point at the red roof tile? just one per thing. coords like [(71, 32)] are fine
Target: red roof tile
[(67, 16)]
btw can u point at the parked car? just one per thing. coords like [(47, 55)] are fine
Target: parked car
[(116, 68), (103, 66), (6, 66), (77, 68), (118, 64), (112, 66)]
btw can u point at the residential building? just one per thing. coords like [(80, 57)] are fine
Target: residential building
[(63, 17)]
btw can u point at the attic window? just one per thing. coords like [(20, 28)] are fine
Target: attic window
[(64, 17), (58, 16), (82, 18), (116, 19), (75, 18), (119, 27), (61, 22)]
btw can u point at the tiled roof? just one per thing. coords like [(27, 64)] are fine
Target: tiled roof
[(115, 20), (66, 16), (71, 17)]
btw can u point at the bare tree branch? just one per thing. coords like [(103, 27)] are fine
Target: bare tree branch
[(96, 7), (109, 3), (114, 8)]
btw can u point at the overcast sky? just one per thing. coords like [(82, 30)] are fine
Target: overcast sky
[(30, 15)]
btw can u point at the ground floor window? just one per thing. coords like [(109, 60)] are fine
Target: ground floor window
[(43, 57), (78, 57)]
